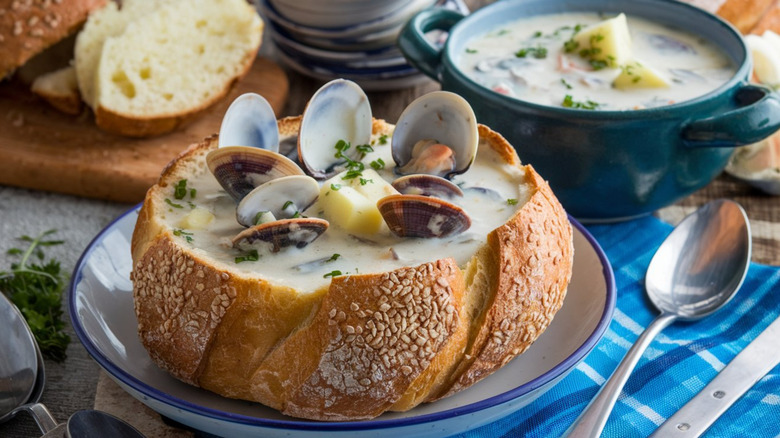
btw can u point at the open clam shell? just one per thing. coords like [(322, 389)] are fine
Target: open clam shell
[(422, 216), (339, 110), (440, 118), (427, 185), (284, 197), (250, 121), (297, 232), (239, 169)]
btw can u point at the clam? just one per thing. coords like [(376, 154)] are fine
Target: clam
[(427, 185), (297, 232), (250, 121), (239, 169), (282, 198), (422, 216), (338, 111), (437, 135), (758, 164)]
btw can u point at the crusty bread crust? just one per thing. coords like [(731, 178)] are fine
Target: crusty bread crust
[(27, 27), (366, 343), (743, 14)]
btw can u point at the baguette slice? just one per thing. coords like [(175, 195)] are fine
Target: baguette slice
[(345, 351), (172, 63), (60, 89), (108, 22)]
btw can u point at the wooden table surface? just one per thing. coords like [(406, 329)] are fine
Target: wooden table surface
[(73, 385)]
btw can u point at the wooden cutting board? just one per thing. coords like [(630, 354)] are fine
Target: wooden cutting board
[(44, 149)]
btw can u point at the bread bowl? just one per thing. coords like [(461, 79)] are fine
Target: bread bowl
[(411, 328)]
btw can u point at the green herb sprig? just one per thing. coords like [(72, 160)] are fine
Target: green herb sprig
[(36, 289)]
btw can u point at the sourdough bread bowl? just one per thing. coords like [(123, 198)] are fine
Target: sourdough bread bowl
[(351, 346)]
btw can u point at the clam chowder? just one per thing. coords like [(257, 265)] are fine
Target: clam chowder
[(492, 193), (594, 62)]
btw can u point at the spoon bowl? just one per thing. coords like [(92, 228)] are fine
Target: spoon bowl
[(18, 361), (702, 263), (695, 272)]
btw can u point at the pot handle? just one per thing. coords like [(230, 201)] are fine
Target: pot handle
[(420, 52), (757, 117)]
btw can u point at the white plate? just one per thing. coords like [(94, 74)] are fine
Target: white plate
[(101, 308)]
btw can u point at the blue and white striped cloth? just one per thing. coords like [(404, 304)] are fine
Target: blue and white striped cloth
[(676, 366)]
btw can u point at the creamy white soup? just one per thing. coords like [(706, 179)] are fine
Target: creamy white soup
[(493, 191), (584, 60)]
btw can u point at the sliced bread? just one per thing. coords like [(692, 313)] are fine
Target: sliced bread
[(60, 89), (168, 63)]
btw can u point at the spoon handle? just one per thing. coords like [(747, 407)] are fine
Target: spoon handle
[(591, 421)]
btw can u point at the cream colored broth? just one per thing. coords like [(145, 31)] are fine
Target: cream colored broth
[(692, 65), (305, 269)]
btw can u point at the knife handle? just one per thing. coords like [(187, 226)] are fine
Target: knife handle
[(750, 365)]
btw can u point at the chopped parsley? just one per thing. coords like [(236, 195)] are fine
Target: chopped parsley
[(537, 34), (335, 187), (181, 233), (172, 204), (251, 256), (538, 52), (566, 84), (364, 149), (287, 204), (471, 50), (569, 102), (383, 137), (364, 181), (193, 192), (354, 168), (334, 273), (378, 164), (511, 201), (180, 189), (334, 257), (36, 289)]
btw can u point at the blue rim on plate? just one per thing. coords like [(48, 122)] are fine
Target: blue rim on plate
[(554, 372)]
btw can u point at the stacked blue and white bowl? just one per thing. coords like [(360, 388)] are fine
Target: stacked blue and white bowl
[(351, 39)]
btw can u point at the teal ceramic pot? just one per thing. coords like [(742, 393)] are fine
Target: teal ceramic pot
[(608, 165)]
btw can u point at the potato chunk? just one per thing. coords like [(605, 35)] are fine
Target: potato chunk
[(351, 203), (197, 219), (608, 42), (639, 75)]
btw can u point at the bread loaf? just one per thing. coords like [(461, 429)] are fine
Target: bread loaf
[(149, 66), (27, 27), (346, 347), (743, 14)]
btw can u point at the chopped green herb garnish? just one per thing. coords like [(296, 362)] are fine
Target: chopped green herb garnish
[(192, 206), (334, 273), (598, 64), (511, 201), (537, 52), (333, 258), (471, 50), (364, 149), (364, 181), (335, 187), (251, 256), (287, 204), (181, 233), (296, 215), (566, 84), (569, 102), (341, 146), (36, 289), (180, 190), (383, 139), (570, 46), (537, 34), (172, 204), (378, 164), (193, 192)]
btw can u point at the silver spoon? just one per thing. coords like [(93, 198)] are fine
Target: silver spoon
[(697, 269), (22, 379)]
